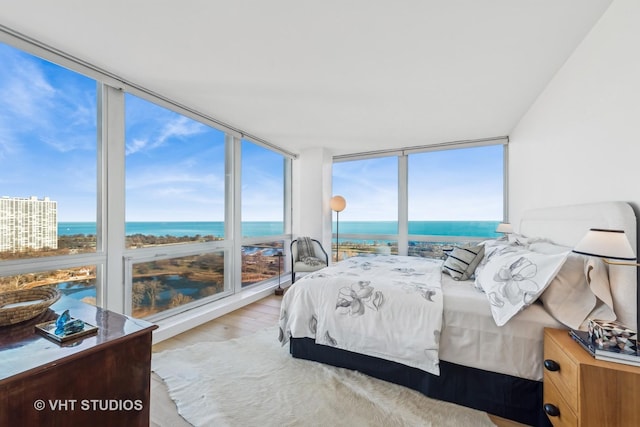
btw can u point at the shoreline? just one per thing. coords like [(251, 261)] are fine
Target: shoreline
[(479, 228)]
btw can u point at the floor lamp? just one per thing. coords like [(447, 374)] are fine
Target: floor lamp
[(338, 203), (279, 290)]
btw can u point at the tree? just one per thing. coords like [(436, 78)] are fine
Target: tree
[(149, 288), (179, 299)]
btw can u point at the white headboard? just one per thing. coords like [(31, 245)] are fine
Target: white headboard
[(566, 225)]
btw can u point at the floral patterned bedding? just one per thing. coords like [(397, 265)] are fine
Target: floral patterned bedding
[(383, 306)]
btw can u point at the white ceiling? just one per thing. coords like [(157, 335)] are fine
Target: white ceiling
[(349, 75)]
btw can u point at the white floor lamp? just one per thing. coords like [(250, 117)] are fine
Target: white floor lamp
[(338, 203)]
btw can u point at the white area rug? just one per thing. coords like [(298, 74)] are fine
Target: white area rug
[(253, 381)]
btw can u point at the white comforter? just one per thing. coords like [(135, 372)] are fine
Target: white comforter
[(383, 306)]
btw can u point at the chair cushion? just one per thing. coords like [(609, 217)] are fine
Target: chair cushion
[(300, 266)]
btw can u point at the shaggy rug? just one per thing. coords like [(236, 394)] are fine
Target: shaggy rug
[(253, 381)]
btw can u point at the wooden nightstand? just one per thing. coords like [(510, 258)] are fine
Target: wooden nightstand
[(582, 391)]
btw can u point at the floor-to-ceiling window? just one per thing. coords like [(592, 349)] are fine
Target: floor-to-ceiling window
[(124, 199), (369, 222), (420, 201), (175, 199), (48, 176), (263, 213)]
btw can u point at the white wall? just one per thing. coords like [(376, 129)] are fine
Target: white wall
[(580, 141), (311, 187)]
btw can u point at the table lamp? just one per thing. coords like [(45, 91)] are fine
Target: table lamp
[(505, 228), (608, 245)]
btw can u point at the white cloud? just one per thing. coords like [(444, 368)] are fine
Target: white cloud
[(179, 127), (24, 88), (62, 115), (136, 145), (7, 140), (175, 182)]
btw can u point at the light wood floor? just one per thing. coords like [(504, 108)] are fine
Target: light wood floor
[(244, 321)]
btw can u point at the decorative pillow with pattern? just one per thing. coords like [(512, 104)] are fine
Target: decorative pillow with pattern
[(513, 281), (494, 248), (462, 262)]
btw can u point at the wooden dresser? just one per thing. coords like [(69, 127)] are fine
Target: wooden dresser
[(97, 380), (582, 391)]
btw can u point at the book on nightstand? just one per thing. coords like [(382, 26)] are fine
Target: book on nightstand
[(611, 354), (582, 338)]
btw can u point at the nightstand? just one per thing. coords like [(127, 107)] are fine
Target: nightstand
[(582, 391)]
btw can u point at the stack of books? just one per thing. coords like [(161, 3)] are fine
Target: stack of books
[(611, 354)]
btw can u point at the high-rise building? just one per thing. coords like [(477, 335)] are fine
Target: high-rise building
[(28, 223)]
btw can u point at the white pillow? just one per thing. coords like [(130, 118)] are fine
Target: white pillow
[(519, 239), (494, 248), (512, 281), (548, 248), (462, 262)]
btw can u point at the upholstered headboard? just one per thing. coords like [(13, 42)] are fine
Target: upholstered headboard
[(566, 225)]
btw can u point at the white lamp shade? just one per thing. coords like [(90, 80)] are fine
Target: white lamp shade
[(606, 244), (338, 203), (504, 227)]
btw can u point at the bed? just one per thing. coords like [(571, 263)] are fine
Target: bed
[(451, 347)]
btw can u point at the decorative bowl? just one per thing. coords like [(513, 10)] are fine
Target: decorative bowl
[(24, 304)]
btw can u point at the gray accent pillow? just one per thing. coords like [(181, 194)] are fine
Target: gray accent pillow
[(462, 262)]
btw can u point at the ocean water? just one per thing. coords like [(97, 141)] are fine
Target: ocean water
[(429, 228), (269, 228)]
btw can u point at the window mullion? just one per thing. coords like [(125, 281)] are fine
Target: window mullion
[(112, 181), (233, 216), (403, 205)]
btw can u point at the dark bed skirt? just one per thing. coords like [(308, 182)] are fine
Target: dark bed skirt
[(506, 396)]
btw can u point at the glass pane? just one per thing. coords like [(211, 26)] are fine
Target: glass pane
[(370, 188), (357, 247), (48, 152), (262, 191), (262, 261), (175, 177), (169, 283), (454, 194), (77, 282)]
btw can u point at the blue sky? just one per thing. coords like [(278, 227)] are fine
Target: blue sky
[(174, 165), (449, 185), (47, 134)]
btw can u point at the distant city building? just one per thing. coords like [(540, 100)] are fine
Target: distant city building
[(28, 223)]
